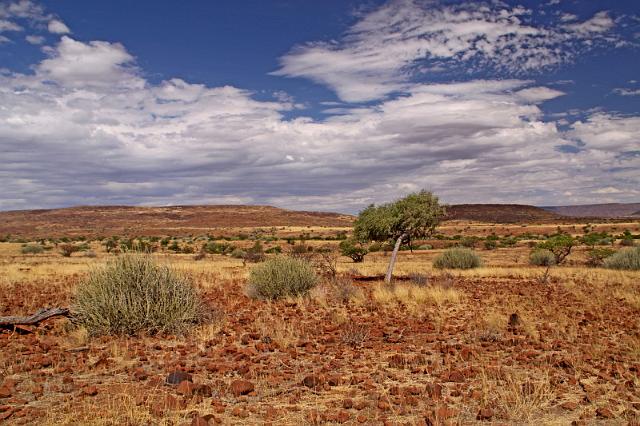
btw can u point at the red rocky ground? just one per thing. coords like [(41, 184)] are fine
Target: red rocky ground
[(560, 360)]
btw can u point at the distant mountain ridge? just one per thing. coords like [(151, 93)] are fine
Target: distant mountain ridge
[(611, 210), (499, 213), (149, 221)]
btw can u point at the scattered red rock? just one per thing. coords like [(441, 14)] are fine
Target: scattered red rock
[(241, 387)]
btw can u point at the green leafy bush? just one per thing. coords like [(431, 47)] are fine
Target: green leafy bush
[(490, 244), (134, 294), (32, 249), (542, 257), (457, 258), (627, 258), (560, 245), (281, 276), (353, 249), (597, 255)]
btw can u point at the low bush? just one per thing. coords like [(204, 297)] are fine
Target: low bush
[(238, 253), (457, 258), (133, 294), (542, 257), (281, 276), (68, 249), (597, 255), (353, 249), (490, 244), (627, 258), (32, 249), (560, 245), (627, 242)]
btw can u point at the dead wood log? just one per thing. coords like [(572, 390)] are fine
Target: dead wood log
[(34, 319)]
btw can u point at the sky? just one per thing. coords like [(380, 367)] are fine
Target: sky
[(318, 105)]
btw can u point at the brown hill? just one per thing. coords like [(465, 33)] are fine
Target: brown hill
[(499, 213), (598, 210), (177, 220)]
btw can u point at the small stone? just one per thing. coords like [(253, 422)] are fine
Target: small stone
[(569, 405), (140, 374), (177, 377), (485, 414), (90, 391), (604, 413), (456, 376), (347, 403), (186, 388), (313, 381), (5, 392), (241, 387), (199, 421), (239, 412)]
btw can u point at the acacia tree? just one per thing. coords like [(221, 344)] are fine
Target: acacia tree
[(415, 216)]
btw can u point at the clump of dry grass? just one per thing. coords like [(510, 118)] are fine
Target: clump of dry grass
[(518, 398), (457, 258), (411, 294), (274, 328), (134, 294), (354, 334), (492, 326), (625, 259), (280, 277)]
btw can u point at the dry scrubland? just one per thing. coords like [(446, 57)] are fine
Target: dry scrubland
[(502, 343)]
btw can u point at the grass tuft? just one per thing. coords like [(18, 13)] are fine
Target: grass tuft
[(133, 294)]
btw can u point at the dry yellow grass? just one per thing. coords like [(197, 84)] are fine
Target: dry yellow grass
[(410, 294)]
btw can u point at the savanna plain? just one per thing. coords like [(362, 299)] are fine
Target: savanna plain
[(506, 342)]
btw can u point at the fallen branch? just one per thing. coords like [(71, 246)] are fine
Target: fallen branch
[(35, 319)]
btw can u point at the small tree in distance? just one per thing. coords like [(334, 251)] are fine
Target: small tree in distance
[(353, 249), (415, 216)]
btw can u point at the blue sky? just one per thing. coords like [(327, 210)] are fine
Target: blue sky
[(325, 105)]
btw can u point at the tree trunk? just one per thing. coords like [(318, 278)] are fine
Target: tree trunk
[(392, 262), (34, 319)]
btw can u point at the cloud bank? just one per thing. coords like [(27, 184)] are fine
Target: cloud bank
[(86, 127)]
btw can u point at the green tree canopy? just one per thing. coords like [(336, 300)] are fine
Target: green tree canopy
[(415, 216)]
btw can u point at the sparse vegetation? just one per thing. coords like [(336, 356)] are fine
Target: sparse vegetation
[(542, 257), (560, 245), (627, 259), (457, 258), (280, 277), (353, 249), (68, 249), (415, 216), (134, 294), (32, 249)]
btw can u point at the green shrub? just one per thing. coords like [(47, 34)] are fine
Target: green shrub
[(627, 258), (32, 249), (281, 276), (274, 250), (255, 254), (353, 249), (469, 242), (560, 245), (490, 244), (542, 257), (134, 294), (597, 255), (238, 253), (217, 248), (627, 242), (375, 247), (457, 258)]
